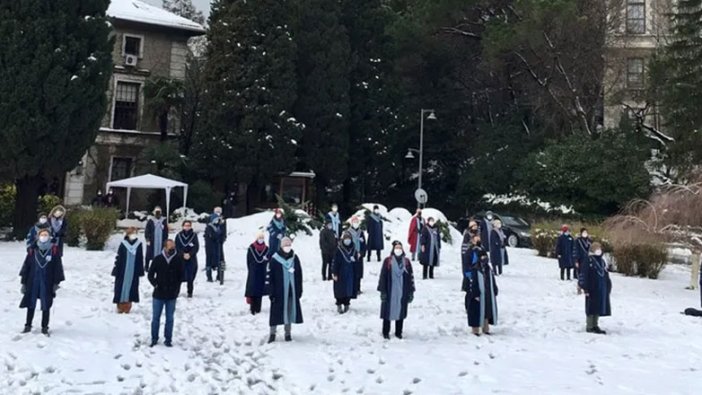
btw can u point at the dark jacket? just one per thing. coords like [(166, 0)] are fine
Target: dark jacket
[(188, 243), (120, 267), (581, 250), (327, 242), (343, 267), (385, 286), (149, 236), (564, 251), (497, 250), (595, 282), (166, 277), (277, 289), (50, 277), (426, 242), (257, 259)]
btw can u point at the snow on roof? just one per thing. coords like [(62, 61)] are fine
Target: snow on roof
[(138, 11)]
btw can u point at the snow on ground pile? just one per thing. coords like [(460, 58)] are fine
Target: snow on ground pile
[(540, 346)]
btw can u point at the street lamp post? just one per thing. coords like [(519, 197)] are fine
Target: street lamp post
[(432, 117)]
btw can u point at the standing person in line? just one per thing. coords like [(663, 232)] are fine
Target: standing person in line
[(41, 274), (276, 231), (343, 273), (156, 234), (327, 244), (431, 248), (498, 247), (58, 224), (188, 245), (111, 200), (486, 230), (581, 252), (472, 230), (396, 287), (166, 275), (565, 253), (98, 200), (480, 288), (42, 223), (374, 224), (214, 247), (334, 218), (257, 267), (217, 211), (415, 231), (129, 266), (359, 244), (595, 282), (285, 273)]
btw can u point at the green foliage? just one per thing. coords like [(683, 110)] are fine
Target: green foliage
[(598, 176), (73, 228), (444, 231), (166, 158), (202, 197), (296, 219), (7, 203), (544, 241), (163, 95), (643, 260), (47, 203), (97, 225), (544, 235)]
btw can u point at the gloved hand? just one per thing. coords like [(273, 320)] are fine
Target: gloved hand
[(383, 296), (411, 298), (23, 289)]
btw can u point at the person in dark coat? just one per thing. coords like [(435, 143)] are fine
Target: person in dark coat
[(343, 273), (335, 220), (480, 288), (473, 229), (111, 200), (214, 247), (376, 238), (595, 282), (188, 245), (42, 223), (415, 231), (128, 268), (156, 234), (431, 248), (58, 225), (98, 200), (285, 273), (486, 230), (276, 231), (166, 275), (257, 258), (359, 244), (40, 276), (327, 244), (396, 287), (217, 211), (581, 251), (498, 248), (565, 253)]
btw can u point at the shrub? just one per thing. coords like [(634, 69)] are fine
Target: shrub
[(544, 241), (73, 227), (445, 231), (202, 198), (296, 219), (97, 225), (7, 203), (46, 203), (643, 260)]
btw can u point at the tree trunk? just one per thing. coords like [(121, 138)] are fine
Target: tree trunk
[(25, 205)]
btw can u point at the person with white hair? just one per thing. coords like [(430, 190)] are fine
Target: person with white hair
[(285, 273), (156, 234), (498, 247), (256, 265)]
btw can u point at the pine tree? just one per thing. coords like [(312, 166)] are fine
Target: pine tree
[(676, 84), (248, 132), (323, 92), (184, 8), (56, 59)]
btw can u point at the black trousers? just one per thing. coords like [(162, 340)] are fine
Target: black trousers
[(565, 271), (44, 318), (427, 269), (326, 267), (343, 301), (377, 253), (256, 304), (191, 286), (398, 327)]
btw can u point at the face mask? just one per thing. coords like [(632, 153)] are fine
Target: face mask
[(218, 212), (42, 220), (260, 241), (132, 237), (43, 239), (431, 223), (355, 225), (498, 226), (347, 242), (489, 217), (188, 229), (419, 215), (335, 209), (171, 251), (566, 233), (287, 249), (157, 214), (58, 214), (478, 243), (278, 216), (329, 227), (376, 212), (110, 192), (598, 252), (398, 252), (585, 235)]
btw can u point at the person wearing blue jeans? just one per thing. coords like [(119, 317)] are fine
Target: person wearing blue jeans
[(166, 275)]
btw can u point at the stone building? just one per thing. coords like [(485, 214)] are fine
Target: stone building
[(149, 43)]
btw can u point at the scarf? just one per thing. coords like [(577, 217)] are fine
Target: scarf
[(278, 224), (40, 287), (259, 253), (335, 221), (56, 224), (128, 269), (376, 217), (433, 246), (186, 238), (501, 234), (356, 237), (289, 306), (396, 286), (168, 258), (259, 247), (158, 235)]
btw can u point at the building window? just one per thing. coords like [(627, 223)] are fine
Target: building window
[(126, 106), (634, 73), (636, 16), (120, 168), (132, 45)]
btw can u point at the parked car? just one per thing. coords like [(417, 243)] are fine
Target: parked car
[(516, 229)]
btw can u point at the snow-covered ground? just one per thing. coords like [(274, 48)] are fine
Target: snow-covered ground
[(540, 346)]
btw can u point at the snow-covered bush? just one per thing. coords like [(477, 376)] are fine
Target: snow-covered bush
[(643, 260), (544, 241), (297, 220)]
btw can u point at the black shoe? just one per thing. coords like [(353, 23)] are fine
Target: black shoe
[(288, 338), (190, 296), (599, 331), (398, 335), (168, 344), (590, 330), (346, 309), (386, 336), (45, 331), (27, 329), (476, 334), (339, 309), (153, 343), (209, 280), (271, 339)]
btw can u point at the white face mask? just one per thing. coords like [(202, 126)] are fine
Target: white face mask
[(58, 214), (376, 212), (347, 242), (355, 225), (133, 237), (42, 220), (287, 249), (585, 235), (489, 217), (278, 216), (335, 209), (43, 239), (398, 252), (218, 212), (260, 241), (598, 252), (431, 223)]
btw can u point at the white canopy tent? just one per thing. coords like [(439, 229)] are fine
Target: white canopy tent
[(150, 181)]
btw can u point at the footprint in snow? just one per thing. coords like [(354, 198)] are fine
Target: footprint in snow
[(464, 373), (416, 380), (379, 380)]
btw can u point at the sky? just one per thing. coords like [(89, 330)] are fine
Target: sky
[(202, 5)]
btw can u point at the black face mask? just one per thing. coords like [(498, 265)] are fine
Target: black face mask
[(479, 243), (171, 251)]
